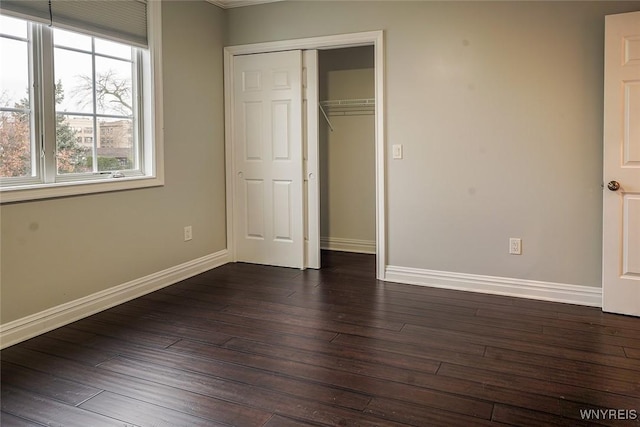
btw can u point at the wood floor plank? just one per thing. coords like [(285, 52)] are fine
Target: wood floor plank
[(310, 323), (84, 355), (553, 321), (435, 338), (369, 355), (254, 377), (10, 420), (489, 335), (156, 393), (167, 298), (581, 381), (275, 288), (69, 392), (355, 382), (505, 362), (453, 318), (420, 415), (346, 364), (592, 369), (416, 296), (69, 334), (133, 329), (633, 353), (254, 271), (487, 392), (448, 294), (241, 277), (351, 301), (197, 383), (262, 346), (602, 319), (156, 323), (590, 337), (366, 318), (141, 413), (507, 339), (244, 282), (382, 300), (49, 412), (558, 307), (278, 421), (391, 312), (570, 355), (431, 349), (411, 395), (282, 311), (179, 314), (526, 418), (548, 387)]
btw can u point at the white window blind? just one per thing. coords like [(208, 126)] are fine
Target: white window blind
[(118, 20)]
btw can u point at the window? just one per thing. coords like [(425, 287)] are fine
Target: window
[(62, 85), (16, 117), (94, 86)]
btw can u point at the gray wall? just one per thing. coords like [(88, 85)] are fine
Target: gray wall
[(347, 154), (498, 105), (499, 108), (55, 251)]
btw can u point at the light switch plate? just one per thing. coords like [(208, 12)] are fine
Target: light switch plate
[(397, 151)]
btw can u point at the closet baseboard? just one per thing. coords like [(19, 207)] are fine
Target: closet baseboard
[(348, 245)]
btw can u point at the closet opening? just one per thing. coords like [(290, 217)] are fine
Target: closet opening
[(262, 206), (347, 149)]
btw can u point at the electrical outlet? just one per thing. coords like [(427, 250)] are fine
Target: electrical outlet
[(188, 233), (515, 246)]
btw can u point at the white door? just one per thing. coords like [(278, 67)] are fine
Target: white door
[(267, 159), (621, 215), (311, 162)]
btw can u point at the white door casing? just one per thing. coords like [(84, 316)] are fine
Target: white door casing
[(311, 159), (371, 38), (267, 153), (621, 206)]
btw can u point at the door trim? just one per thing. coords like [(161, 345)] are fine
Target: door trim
[(370, 38)]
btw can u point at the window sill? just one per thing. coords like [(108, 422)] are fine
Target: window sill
[(77, 188)]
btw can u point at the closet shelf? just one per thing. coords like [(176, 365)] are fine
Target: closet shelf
[(367, 102), (349, 106)]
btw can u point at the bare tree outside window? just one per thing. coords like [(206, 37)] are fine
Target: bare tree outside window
[(113, 93)]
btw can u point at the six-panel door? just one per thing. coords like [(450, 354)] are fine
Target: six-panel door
[(267, 151), (621, 199)]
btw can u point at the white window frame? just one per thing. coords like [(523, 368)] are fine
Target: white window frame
[(151, 139)]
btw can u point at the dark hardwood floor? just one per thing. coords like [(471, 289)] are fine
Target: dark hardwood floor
[(249, 345)]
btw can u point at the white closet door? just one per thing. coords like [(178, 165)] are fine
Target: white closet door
[(621, 216), (267, 151)]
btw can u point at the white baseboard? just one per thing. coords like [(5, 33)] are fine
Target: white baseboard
[(348, 245), (547, 291), (22, 329)]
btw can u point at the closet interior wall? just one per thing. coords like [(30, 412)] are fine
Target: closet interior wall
[(347, 153)]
